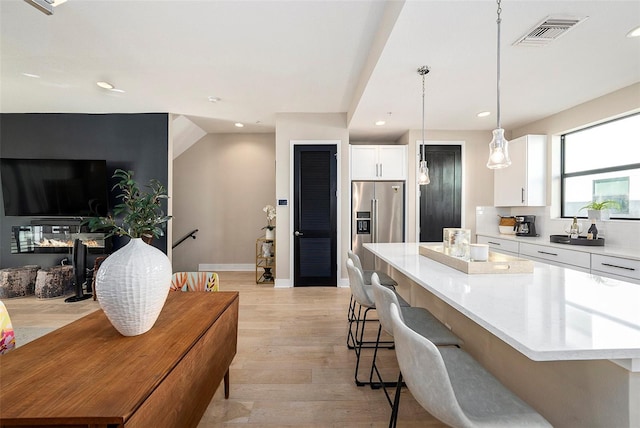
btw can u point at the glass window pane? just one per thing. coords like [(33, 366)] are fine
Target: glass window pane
[(608, 145), (620, 186)]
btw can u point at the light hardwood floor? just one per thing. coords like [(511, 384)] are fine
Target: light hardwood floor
[(292, 369)]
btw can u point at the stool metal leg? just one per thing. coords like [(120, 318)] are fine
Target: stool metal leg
[(359, 347), (374, 369), (393, 422), (351, 341)]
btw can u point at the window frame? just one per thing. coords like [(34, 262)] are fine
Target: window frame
[(564, 175)]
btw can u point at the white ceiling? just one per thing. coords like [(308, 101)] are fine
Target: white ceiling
[(267, 57)]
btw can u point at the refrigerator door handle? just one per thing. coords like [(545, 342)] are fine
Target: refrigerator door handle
[(374, 220)]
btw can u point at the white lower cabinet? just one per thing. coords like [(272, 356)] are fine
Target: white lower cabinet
[(559, 256), (498, 245), (618, 266), (597, 264)]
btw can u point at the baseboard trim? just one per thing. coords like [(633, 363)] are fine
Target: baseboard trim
[(283, 283), (241, 267), (220, 267)]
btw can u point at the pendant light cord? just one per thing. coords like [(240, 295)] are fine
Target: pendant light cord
[(498, 21), (423, 72), (422, 156)]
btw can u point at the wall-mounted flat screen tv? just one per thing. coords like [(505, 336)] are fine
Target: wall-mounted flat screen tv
[(54, 187)]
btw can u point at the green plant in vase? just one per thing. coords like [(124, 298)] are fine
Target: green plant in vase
[(139, 214), (601, 205), (599, 210)]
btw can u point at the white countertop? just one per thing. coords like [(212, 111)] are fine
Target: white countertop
[(551, 314), (608, 250)]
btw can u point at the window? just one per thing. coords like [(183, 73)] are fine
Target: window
[(602, 163)]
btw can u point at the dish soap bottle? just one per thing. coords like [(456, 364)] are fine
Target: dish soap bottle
[(575, 229), (592, 233)]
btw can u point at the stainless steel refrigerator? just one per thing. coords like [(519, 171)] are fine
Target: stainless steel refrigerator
[(377, 215)]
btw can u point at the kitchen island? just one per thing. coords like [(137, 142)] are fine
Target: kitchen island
[(565, 341)]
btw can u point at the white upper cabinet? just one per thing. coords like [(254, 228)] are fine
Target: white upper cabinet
[(381, 162), (523, 184)]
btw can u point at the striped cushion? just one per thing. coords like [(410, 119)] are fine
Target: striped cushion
[(194, 281)]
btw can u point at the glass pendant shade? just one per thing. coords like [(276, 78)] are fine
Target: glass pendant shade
[(423, 174), (423, 170), (498, 151)]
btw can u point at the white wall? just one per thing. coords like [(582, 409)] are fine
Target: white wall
[(307, 127), (220, 185)]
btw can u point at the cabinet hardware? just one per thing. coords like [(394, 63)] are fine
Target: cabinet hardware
[(494, 243), (522, 194), (551, 254), (616, 266)]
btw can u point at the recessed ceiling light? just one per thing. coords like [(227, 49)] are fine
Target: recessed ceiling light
[(33, 76), (634, 33), (239, 125), (380, 122), (213, 99), (117, 90), (484, 114), (105, 85)]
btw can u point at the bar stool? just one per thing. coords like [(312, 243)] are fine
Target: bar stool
[(363, 296), (418, 319), (453, 387), (385, 280), (355, 312)]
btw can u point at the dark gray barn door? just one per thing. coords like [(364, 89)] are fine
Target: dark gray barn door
[(441, 200)]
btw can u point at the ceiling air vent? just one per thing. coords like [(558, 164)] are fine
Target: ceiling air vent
[(547, 31)]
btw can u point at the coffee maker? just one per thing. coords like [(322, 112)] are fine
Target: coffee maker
[(526, 225)]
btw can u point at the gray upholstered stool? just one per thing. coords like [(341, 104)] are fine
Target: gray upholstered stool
[(363, 297), (385, 279), (453, 387), (354, 311), (419, 320)]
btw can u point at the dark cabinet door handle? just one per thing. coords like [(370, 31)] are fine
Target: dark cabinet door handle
[(618, 267), (550, 254)]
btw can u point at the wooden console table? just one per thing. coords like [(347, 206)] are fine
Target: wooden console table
[(86, 374)]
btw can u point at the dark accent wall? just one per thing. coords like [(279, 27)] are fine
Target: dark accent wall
[(137, 142)]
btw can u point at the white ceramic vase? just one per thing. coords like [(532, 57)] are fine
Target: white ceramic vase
[(598, 214), (132, 286), (269, 234)]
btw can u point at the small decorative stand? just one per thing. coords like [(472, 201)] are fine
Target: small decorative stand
[(265, 260)]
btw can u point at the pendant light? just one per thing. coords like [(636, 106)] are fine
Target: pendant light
[(423, 170), (499, 146)]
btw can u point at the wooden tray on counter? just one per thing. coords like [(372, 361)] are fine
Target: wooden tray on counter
[(497, 263)]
